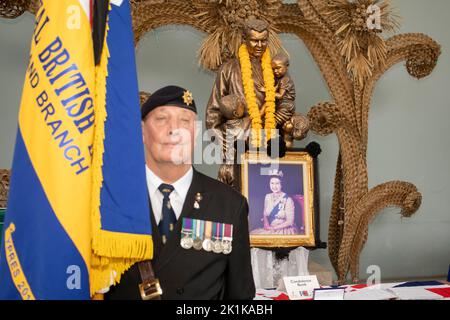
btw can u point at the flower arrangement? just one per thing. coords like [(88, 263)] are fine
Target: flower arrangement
[(250, 96)]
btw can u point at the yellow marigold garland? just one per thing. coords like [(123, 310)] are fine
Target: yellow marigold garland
[(269, 84), (250, 96)]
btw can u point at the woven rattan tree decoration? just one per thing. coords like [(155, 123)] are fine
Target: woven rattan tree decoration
[(346, 40)]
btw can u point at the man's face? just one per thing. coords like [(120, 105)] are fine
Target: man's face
[(279, 68), (168, 134), (257, 43)]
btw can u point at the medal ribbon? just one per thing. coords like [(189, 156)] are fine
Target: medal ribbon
[(223, 230), (197, 228), (218, 230), (208, 230), (194, 228), (228, 231), (202, 229), (187, 226)]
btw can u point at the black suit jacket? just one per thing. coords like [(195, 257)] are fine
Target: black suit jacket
[(191, 274)]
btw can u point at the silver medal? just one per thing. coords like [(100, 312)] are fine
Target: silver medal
[(217, 246), (207, 245), (186, 242), (198, 244), (226, 245)]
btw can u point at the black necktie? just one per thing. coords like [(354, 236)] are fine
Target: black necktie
[(168, 218)]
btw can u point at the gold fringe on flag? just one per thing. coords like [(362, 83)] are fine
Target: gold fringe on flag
[(113, 253)]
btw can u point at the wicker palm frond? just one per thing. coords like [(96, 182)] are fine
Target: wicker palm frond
[(11, 9), (4, 186), (358, 30), (321, 25), (143, 96)]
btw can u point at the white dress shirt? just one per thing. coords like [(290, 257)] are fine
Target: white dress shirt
[(177, 196)]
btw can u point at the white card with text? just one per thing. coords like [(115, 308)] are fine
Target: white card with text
[(301, 287), (329, 294)]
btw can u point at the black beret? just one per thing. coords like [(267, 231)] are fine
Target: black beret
[(169, 96)]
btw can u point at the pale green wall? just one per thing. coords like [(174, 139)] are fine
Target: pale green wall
[(408, 130)]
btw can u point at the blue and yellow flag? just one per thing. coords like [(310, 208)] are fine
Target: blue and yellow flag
[(78, 211)]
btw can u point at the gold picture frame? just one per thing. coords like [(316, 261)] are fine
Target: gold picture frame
[(290, 208)]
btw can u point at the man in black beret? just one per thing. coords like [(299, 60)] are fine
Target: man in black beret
[(200, 225)]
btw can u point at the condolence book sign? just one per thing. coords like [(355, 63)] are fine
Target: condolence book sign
[(301, 287)]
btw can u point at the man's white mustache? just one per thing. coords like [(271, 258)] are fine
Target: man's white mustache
[(177, 138), (176, 142)]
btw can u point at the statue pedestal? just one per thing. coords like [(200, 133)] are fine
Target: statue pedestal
[(268, 272), (324, 275)]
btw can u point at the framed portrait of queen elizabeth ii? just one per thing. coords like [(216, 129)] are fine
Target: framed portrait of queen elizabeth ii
[(280, 194)]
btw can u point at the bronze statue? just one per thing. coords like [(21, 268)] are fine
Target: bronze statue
[(230, 85), (229, 79), (283, 82), (232, 109), (295, 127)]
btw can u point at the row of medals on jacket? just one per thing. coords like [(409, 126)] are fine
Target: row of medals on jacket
[(217, 246)]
